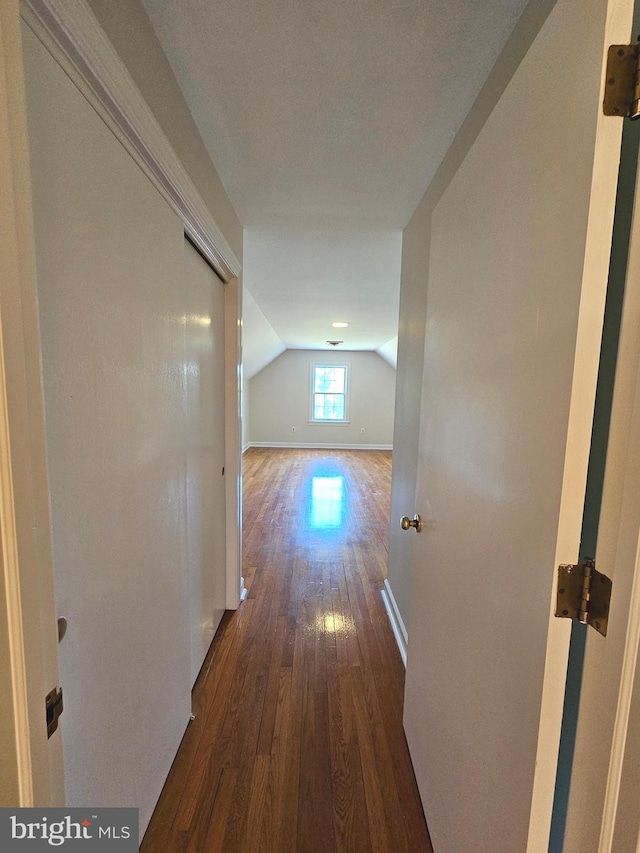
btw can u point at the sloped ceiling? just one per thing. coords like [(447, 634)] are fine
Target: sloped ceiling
[(389, 352), (328, 117), (260, 342), (303, 281)]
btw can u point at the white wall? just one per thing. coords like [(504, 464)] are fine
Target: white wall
[(124, 404), (280, 401), (131, 34)]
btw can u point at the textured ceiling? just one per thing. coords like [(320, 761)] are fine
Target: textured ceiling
[(332, 115)]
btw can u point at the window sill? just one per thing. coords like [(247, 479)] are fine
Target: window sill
[(330, 423)]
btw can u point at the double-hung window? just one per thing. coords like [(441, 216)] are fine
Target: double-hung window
[(329, 384)]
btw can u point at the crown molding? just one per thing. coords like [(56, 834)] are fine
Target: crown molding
[(73, 35)]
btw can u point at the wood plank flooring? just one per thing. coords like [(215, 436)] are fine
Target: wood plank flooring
[(298, 745)]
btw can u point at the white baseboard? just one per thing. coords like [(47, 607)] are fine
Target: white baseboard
[(397, 624), (245, 447), (318, 446)]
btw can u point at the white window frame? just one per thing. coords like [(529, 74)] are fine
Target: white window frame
[(329, 422)]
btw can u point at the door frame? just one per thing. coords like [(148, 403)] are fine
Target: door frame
[(609, 674), (28, 649)]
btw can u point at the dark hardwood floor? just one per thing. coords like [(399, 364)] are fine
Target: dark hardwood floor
[(298, 745)]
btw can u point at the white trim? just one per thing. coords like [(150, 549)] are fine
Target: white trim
[(329, 423), (397, 623), (623, 712), (11, 571), (243, 590), (13, 267), (318, 446), (32, 764), (74, 36), (619, 549), (232, 438), (245, 447)]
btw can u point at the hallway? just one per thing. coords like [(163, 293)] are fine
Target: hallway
[(298, 744)]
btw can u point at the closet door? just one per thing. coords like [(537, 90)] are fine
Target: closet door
[(110, 267)]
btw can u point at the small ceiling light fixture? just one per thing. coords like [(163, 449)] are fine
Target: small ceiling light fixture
[(334, 343), (340, 325)]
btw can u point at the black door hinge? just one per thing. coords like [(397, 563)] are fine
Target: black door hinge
[(54, 708)]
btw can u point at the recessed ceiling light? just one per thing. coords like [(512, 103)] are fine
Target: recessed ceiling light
[(340, 325)]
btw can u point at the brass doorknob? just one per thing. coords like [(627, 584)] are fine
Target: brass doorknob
[(406, 522)]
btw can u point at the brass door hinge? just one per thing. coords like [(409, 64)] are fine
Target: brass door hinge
[(584, 594), (54, 707), (622, 85)]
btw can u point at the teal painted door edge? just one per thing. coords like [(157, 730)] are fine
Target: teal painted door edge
[(597, 457)]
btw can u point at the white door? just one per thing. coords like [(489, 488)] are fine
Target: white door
[(112, 304), (518, 271)]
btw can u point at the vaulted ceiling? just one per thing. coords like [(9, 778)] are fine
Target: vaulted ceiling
[(326, 123)]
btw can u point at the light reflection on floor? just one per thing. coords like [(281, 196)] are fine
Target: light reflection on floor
[(334, 623), (327, 509), (327, 524)]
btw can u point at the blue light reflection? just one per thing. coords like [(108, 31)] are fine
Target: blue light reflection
[(326, 502)]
